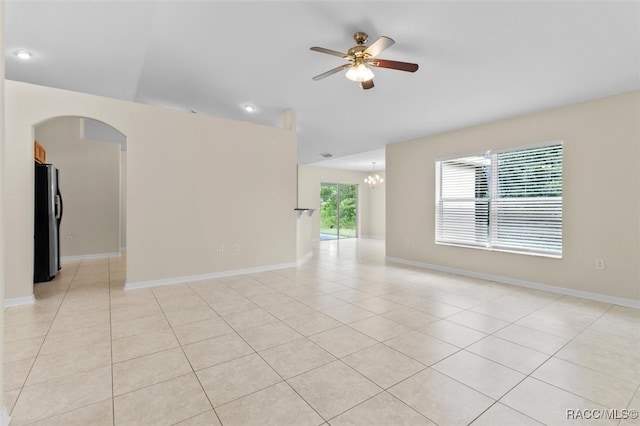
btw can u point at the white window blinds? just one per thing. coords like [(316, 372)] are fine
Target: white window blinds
[(505, 200)]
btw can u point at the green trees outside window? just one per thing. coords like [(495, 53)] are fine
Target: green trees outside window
[(338, 211)]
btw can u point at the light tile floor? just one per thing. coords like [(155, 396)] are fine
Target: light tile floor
[(346, 339)]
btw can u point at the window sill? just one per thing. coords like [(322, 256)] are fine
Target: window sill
[(502, 250)]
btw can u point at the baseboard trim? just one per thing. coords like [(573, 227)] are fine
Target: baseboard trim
[(304, 259), (89, 256), (4, 417), (373, 237), (17, 301), (631, 303), (192, 278)]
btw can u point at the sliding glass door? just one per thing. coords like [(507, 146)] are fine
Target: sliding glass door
[(338, 211)]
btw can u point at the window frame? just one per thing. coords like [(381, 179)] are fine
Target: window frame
[(491, 243)]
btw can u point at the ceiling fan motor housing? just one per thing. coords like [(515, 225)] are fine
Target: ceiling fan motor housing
[(360, 37), (357, 51)]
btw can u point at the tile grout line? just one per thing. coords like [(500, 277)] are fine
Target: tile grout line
[(337, 359), (43, 340), (306, 338), (193, 371), (113, 399), (57, 311), (530, 375), (258, 354), (383, 390), (495, 401), (382, 342)]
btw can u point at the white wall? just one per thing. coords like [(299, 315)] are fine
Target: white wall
[(90, 187), (193, 182), (309, 180), (601, 197)]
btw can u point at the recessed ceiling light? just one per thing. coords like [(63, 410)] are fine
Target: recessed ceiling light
[(249, 108), (23, 54)]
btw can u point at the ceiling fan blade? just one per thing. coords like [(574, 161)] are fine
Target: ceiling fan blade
[(367, 84), (331, 72), (330, 52), (394, 65), (379, 45)]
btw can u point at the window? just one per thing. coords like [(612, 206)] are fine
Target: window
[(509, 200)]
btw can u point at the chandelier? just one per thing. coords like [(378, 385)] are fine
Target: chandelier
[(373, 179)]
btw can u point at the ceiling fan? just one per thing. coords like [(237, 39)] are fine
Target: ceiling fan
[(361, 57)]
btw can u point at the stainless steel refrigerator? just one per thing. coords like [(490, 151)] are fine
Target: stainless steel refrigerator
[(48, 215)]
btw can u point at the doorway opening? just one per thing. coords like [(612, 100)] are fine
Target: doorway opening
[(91, 157), (338, 211)]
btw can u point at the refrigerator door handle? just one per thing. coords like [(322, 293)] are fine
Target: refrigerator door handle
[(58, 203)]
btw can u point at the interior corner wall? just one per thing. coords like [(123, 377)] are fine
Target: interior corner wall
[(601, 198), (309, 180), (90, 187), (194, 183)]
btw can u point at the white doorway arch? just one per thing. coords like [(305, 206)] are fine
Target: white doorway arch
[(92, 164)]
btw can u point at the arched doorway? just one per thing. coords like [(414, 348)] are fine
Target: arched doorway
[(91, 157)]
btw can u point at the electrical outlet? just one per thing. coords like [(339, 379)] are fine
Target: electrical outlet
[(407, 241), (236, 247), (599, 264), (221, 248), (69, 238)]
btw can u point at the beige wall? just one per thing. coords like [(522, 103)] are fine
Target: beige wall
[(309, 180), (193, 182), (601, 197), (374, 213), (90, 187), (123, 199)]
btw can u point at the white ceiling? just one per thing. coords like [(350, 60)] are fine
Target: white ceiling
[(479, 61)]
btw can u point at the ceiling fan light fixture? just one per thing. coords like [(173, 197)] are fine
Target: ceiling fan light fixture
[(359, 72)]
